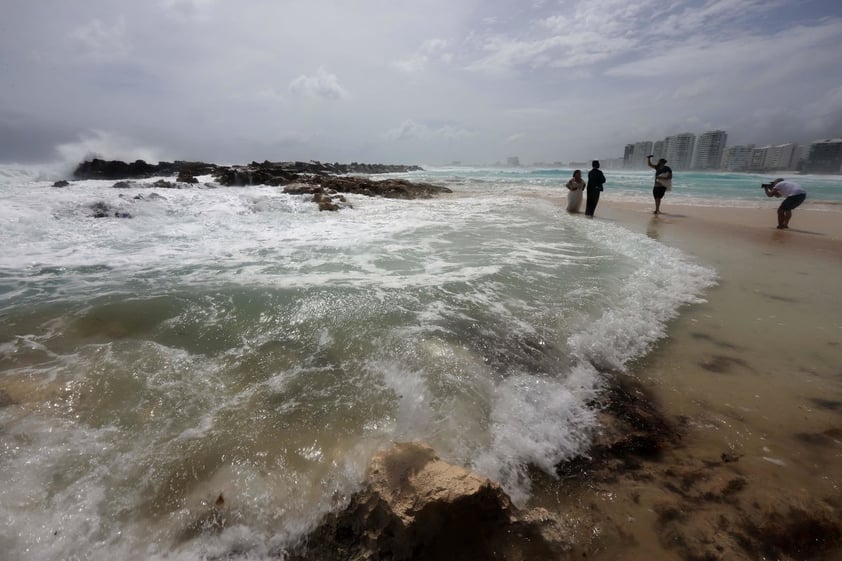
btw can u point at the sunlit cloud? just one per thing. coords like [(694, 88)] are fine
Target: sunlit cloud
[(323, 85), (187, 8), (410, 130), (430, 51), (101, 42)]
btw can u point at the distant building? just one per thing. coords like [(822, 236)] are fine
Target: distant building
[(781, 157), (825, 156), (634, 155), (611, 163), (628, 154), (679, 150), (513, 162), (757, 158), (800, 156), (736, 158), (641, 150), (709, 149), (658, 150)]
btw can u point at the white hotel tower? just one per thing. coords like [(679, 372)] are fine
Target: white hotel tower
[(679, 150), (709, 149)]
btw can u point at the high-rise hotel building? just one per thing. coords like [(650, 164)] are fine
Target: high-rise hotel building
[(709, 149), (679, 150)]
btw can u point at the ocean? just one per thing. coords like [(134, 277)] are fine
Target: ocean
[(236, 341)]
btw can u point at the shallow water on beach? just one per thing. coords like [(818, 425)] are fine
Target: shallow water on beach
[(755, 374), (237, 342), (768, 359)]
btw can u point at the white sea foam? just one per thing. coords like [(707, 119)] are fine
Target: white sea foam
[(237, 340)]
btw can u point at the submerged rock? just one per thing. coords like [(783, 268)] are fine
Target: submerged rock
[(102, 210), (418, 507)]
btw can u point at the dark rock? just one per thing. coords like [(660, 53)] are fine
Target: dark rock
[(102, 210), (327, 204), (215, 519), (164, 184), (123, 185), (61, 183), (417, 507), (5, 399), (186, 177), (631, 430), (255, 173), (798, 534), (390, 188), (302, 189)]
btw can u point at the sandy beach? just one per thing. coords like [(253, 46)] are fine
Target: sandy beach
[(752, 380)]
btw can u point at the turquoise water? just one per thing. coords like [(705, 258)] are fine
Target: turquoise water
[(690, 187)]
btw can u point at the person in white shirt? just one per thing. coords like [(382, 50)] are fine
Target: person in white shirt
[(793, 195)]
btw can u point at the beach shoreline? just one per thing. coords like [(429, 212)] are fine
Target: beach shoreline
[(708, 446), (750, 379)]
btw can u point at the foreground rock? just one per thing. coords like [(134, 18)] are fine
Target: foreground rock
[(418, 507)]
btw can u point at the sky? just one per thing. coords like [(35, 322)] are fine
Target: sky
[(417, 82)]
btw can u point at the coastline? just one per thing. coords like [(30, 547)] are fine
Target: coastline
[(751, 381)]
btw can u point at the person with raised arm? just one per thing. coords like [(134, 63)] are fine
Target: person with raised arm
[(663, 180)]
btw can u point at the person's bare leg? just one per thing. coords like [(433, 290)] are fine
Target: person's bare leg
[(787, 216), (782, 219), (657, 206)]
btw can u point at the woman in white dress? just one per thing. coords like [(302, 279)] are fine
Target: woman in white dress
[(576, 186)]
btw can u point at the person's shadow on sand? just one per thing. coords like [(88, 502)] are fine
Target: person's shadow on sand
[(779, 232), (657, 220)]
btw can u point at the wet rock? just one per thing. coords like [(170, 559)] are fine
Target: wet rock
[(797, 533), (150, 197), (722, 364), (255, 173), (102, 210), (5, 399), (418, 507), (185, 176), (123, 185), (828, 404), (61, 183), (631, 428), (389, 188), (212, 521)]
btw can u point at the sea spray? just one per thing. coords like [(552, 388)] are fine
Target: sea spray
[(236, 341)]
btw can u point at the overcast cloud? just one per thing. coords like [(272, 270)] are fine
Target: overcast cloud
[(424, 82)]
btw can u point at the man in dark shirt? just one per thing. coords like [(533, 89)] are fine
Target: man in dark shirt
[(596, 179), (663, 180)]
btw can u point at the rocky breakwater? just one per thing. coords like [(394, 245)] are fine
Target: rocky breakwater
[(322, 181)]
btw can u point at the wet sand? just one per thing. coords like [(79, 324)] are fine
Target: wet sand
[(752, 381)]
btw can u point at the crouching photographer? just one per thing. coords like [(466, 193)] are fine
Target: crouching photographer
[(793, 195)]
